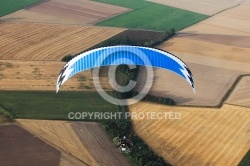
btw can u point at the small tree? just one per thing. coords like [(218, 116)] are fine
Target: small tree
[(67, 58)]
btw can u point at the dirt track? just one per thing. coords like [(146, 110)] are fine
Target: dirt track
[(202, 136), (19, 147)]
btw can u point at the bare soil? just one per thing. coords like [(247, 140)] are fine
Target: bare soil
[(19, 147), (79, 11), (86, 141), (139, 36), (82, 12), (61, 135)]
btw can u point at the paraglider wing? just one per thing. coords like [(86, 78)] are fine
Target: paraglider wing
[(117, 55)]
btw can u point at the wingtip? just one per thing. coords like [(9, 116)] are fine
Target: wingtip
[(194, 90)]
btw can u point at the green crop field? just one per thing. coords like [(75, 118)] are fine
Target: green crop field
[(246, 160), (49, 105), (151, 16), (9, 6)]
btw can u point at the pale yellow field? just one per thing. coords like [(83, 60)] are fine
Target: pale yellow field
[(61, 135), (219, 51), (241, 94), (33, 41), (42, 75), (202, 136), (207, 7)]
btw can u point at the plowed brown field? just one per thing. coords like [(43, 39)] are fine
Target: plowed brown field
[(202, 136), (19, 147), (84, 140), (61, 135), (84, 12), (31, 41)]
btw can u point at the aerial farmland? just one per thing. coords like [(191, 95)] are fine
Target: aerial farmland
[(37, 39)]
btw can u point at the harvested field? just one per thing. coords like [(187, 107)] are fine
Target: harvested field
[(216, 49), (34, 17), (207, 7), (85, 141), (228, 40), (205, 28), (202, 136), (99, 144), (19, 147), (42, 75), (61, 135), (235, 21), (241, 94), (211, 85), (83, 12), (68, 160), (48, 42), (208, 48)]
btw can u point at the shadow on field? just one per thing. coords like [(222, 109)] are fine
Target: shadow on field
[(181, 100)]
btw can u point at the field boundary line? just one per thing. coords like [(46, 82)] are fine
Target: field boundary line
[(225, 10), (209, 16), (49, 143), (36, 4), (226, 28), (112, 16), (236, 105), (224, 98)]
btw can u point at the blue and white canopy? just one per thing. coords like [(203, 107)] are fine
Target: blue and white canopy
[(129, 55)]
